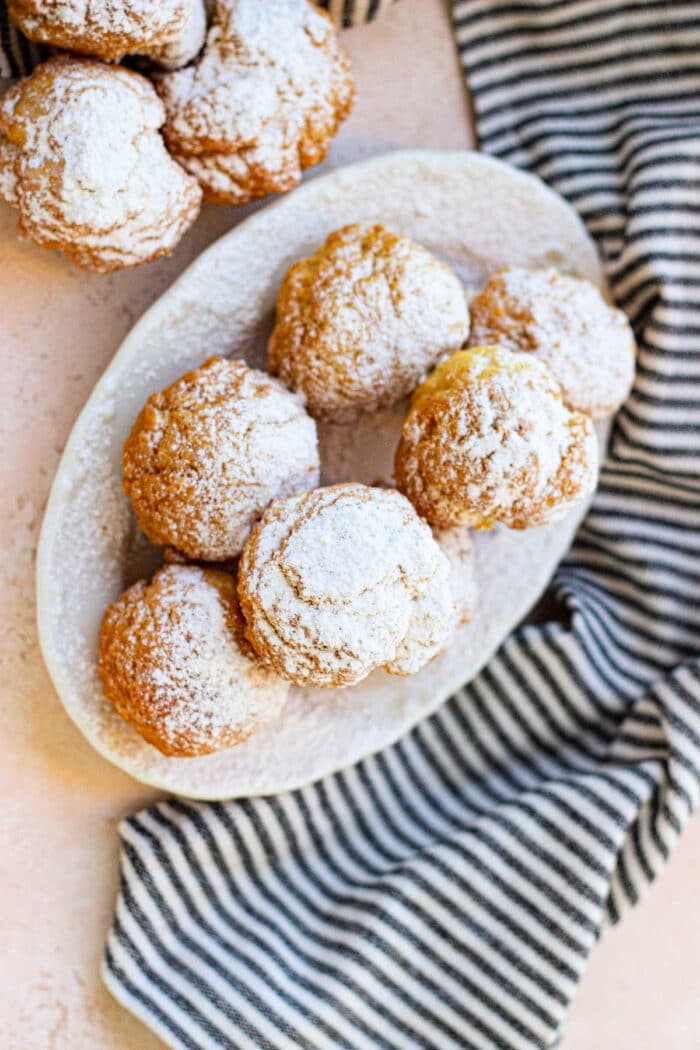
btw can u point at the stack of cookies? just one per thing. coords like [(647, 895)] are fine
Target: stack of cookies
[(110, 165)]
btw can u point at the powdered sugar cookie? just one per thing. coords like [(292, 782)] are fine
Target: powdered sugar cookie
[(587, 345), (169, 31), (207, 454), (90, 173), (174, 663), (263, 101), (342, 580), (363, 320), (488, 439)]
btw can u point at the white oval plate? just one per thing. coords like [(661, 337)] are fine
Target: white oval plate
[(475, 213)]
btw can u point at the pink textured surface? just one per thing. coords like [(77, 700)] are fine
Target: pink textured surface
[(61, 801)]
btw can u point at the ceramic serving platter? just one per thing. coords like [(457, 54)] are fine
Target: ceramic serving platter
[(472, 211)]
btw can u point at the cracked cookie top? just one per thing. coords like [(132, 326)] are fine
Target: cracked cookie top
[(207, 454), (363, 320), (262, 102), (175, 664), (489, 439), (587, 345), (342, 580), (85, 163)]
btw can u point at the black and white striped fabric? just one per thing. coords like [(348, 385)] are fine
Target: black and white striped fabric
[(349, 13), (445, 893)]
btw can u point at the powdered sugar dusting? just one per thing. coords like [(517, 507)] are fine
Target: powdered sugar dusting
[(433, 617), (207, 455), (262, 103), (169, 30), (587, 345), (488, 439), (182, 46), (362, 321), (342, 580), (173, 662), (93, 177)]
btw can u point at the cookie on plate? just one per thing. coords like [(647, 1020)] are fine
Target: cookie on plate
[(84, 162), (343, 580), (587, 345), (489, 439), (207, 455), (174, 662), (262, 102), (363, 320), (171, 32)]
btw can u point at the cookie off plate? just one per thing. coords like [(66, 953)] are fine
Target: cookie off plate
[(473, 212)]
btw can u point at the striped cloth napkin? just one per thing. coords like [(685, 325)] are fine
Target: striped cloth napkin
[(445, 893)]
